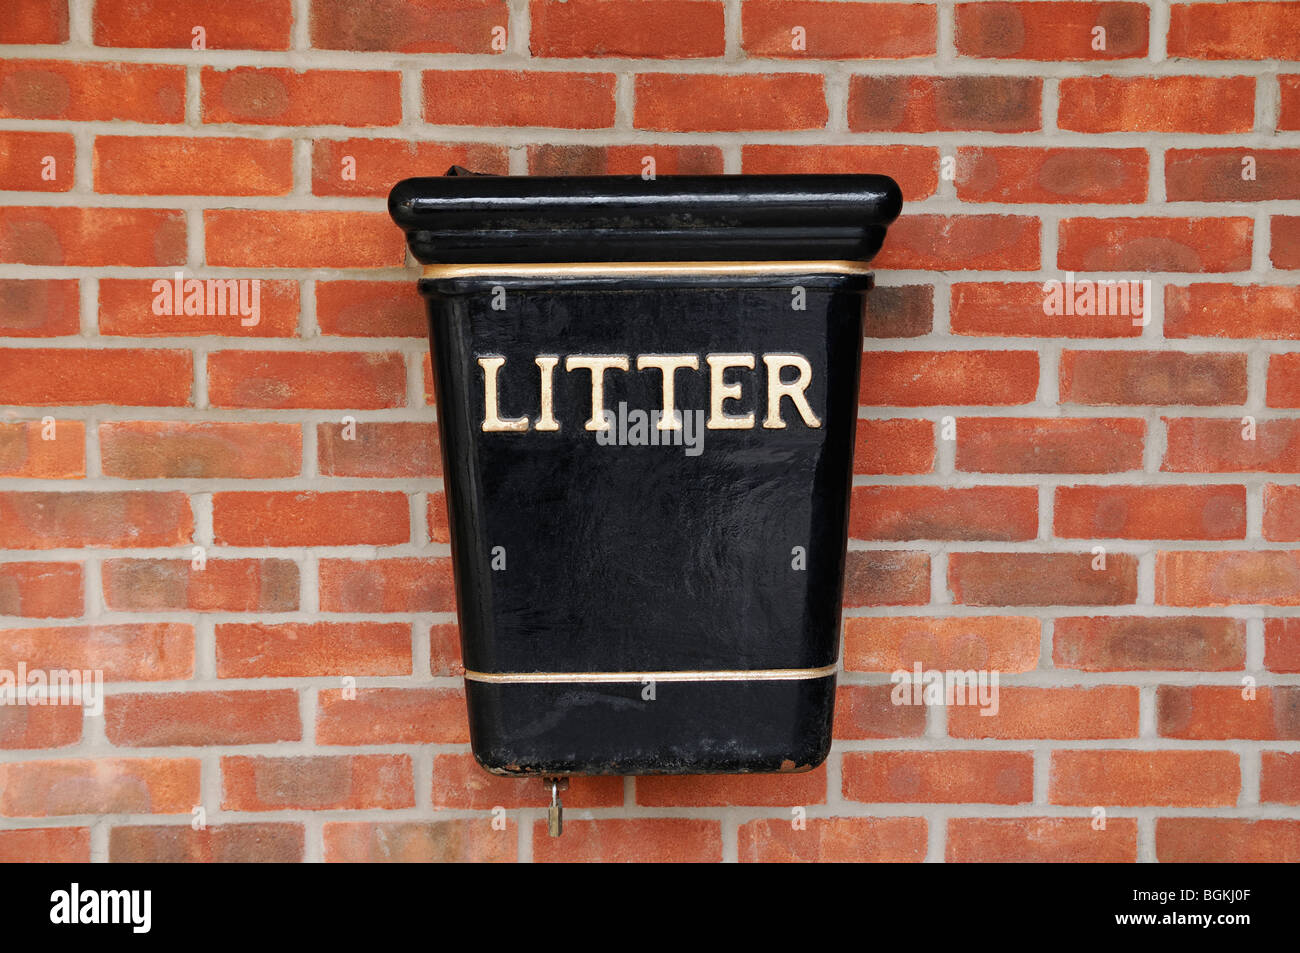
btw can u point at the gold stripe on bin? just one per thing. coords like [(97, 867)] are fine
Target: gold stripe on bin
[(739, 675), (638, 269)]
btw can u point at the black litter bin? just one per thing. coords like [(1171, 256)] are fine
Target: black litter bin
[(647, 395)]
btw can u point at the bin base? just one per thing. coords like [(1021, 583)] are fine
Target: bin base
[(715, 727)]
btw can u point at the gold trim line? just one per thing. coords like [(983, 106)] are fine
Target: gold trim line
[(634, 269), (741, 675)]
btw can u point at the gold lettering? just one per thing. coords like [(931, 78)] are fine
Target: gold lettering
[(547, 420), (720, 391), (776, 389), (492, 421), (597, 364), (668, 364)]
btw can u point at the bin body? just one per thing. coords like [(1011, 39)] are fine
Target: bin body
[(633, 599)]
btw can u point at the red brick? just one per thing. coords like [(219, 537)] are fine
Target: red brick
[(92, 237), (407, 26), (1261, 577), (1200, 104), (886, 578), (897, 643), (552, 159), (894, 446), (1152, 377), (628, 840), (903, 311), (945, 103), (379, 449), (313, 649), (387, 716), (39, 307), (834, 840), (126, 307), (725, 790), (91, 92), (436, 518), (362, 380), (1150, 512), (421, 842), (25, 453), (929, 378), (407, 584), (230, 25), (1003, 513), (1281, 513), (342, 518), (103, 786), (223, 585), (1049, 445), (177, 165), (24, 161), (838, 31), (1135, 778), (1289, 112), (1232, 311), (219, 844), (868, 712), (74, 376), (635, 29), (519, 98), (1075, 713), (377, 163), (42, 590), (444, 650), (460, 784), (257, 238), (938, 777), (1051, 31), (127, 652), (1155, 244), (1205, 445), (695, 102), (962, 242), (914, 168), (1279, 781), (1284, 241), (1235, 31), (39, 728), (161, 719), (1284, 380), (1042, 579), (143, 450), (1217, 712), (1282, 645), (45, 845), (319, 783), (1216, 175), (75, 520), (1019, 309), (1019, 174), (286, 97), (36, 21), (1040, 840), (1226, 840), (1156, 643), (370, 309)]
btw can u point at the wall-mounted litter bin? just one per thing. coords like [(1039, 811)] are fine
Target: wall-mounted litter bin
[(647, 395)]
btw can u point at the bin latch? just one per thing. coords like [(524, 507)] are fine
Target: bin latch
[(555, 815)]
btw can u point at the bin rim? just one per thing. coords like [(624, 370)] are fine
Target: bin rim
[(482, 219)]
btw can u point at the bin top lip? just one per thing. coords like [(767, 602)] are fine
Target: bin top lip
[(460, 218)]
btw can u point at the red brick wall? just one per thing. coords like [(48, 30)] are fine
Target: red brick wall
[(999, 445)]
